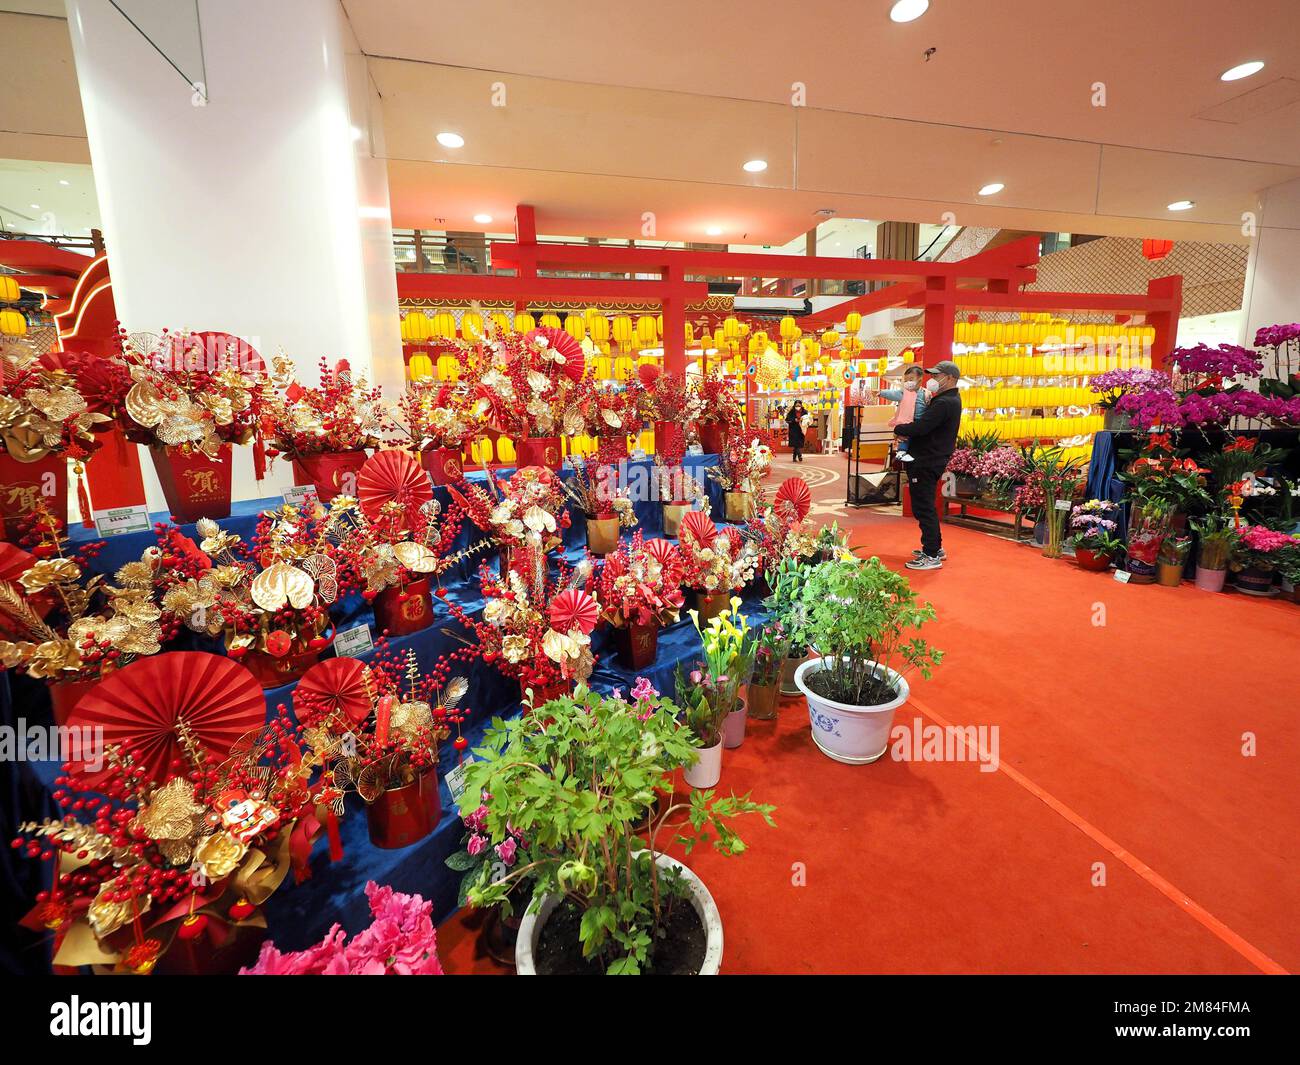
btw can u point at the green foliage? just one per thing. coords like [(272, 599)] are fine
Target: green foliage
[(578, 778), (981, 442), (861, 615), (785, 604), (1218, 536)]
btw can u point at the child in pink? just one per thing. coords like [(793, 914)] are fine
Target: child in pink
[(911, 404)]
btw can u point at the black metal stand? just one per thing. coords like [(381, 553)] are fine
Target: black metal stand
[(860, 492)]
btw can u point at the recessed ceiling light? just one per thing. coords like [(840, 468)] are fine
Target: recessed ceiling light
[(451, 140), (992, 189), (908, 10), (356, 133), (714, 231), (482, 219), (756, 166), (35, 206), (1182, 205), (64, 181), (1242, 70)]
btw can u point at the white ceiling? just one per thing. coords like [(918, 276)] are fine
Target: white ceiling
[(616, 110)]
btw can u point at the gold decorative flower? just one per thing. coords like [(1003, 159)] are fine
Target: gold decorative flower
[(514, 648), (281, 583), (107, 915), (219, 855), (53, 658), (49, 571)]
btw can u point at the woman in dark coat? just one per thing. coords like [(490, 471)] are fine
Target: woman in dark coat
[(794, 419)]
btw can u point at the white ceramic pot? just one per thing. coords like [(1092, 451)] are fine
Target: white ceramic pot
[(852, 734), (733, 728), (705, 772), (530, 928)]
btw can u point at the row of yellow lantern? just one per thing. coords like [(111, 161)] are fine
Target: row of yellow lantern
[(1052, 331), (12, 323), (1069, 365), (1034, 428), (1050, 396)]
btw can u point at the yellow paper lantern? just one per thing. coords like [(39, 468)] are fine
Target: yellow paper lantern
[(420, 368), (576, 326), (598, 327), (501, 322), (550, 321), (9, 291), (789, 331), (730, 328), (647, 331), (623, 331), (13, 324), (471, 326), (444, 325), (852, 322), (416, 328), (525, 323)]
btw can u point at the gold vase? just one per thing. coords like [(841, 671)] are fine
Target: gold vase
[(602, 535), (739, 506), (673, 514)]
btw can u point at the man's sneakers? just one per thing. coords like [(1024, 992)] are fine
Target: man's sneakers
[(903, 456), (925, 562), (942, 556)]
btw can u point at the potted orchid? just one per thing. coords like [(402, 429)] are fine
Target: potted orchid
[(1092, 534)]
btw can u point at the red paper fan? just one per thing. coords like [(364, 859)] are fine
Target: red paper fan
[(335, 686), (660, 550), (700, 526), (573, 609), (795, 492), (392, 477), (138, 708), (648, 373), (14, 562), (560, 342)]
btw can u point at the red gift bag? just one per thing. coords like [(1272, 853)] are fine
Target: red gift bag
[(25, 484), (194, 485), (331, 473), (444, 464), (539, 451)]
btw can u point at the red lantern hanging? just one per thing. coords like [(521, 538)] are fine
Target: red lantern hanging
[(1156, 249)]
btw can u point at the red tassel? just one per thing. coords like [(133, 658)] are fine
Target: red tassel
[(336, 840), (259, 456), (83, 499)]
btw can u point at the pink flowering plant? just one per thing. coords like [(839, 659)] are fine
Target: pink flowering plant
[(579, 778), (1258, 547), (480, 856), (400, 941)]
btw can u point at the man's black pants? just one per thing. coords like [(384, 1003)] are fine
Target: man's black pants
[(924, 484)]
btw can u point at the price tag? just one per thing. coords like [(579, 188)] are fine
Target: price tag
[(638, 455), (353, 642), (1122, 575), (118, 520), (456, 779), (300, 493), (695, 449), (1062, 504)]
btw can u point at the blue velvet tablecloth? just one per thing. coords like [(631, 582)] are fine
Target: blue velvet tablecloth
[(299, 915)]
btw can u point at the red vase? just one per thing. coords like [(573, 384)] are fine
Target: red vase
[(332, 473), (539, 451), (402, 611), (613, 446), (405, 815), (669, 437), (24, 484), (558, 690), (1094, 561), (272, 672), (64, 696), (713, 437), (194, 485), (637, 645), (445, 464), (221, 950)]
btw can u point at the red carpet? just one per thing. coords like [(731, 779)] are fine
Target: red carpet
[(1121, 746)]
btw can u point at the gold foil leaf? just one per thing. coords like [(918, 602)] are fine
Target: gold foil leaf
[(281, 583)]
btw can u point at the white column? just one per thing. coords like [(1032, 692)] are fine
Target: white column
[(262, 211), (1273, 273)]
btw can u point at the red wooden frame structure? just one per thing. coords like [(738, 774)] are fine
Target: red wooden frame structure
[(990, 280)]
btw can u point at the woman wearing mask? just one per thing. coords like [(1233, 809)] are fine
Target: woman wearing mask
[(911, 400), (795, 420)]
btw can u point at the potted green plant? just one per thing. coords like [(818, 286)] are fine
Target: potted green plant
[(863, 618), (575, 779), (1148, 524), (703, 718), (1172, 559), (1256, 556), (1217, 535), (771, 650), (1092, 535), (785, 606)]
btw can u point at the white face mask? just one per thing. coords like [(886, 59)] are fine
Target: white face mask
[(932, 385), (911, 386)]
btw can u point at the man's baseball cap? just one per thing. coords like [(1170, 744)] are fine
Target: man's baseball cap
[(947, 368)]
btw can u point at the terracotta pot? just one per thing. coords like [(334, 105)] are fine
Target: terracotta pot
[(788, 686), (332, 473), (272, 672), (738, 506), (713, 437), (1094, 561), (64, 696), (673, 514), (669, 437), (1254, 581), (1210, 580), (602, 535), (539, 451), (405, 815), (445, 464), (23, 484), (710, 606), (1169, 574), (194, 485), (637, 645), (762, 699), (402, 611)]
